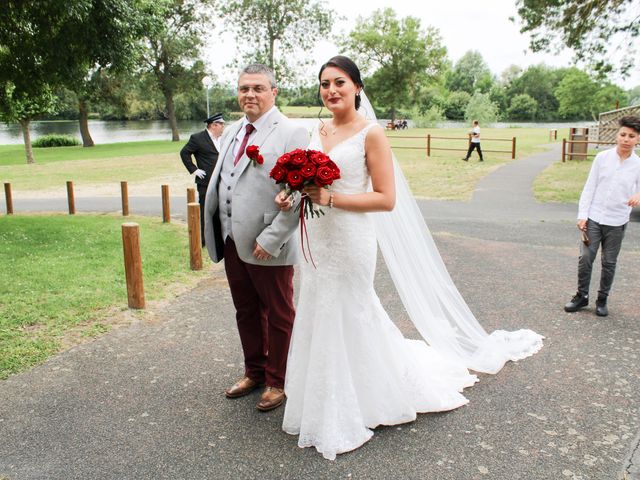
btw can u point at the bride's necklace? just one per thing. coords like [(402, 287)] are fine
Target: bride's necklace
[(334, 130)]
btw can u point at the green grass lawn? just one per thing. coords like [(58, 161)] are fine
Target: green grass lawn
[(63, 274), (442, 176), (562, 182)]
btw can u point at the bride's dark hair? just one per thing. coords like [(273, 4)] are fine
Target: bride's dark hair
[(349, 67)]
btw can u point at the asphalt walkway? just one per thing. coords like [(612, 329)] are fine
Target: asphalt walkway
[(145, 401)]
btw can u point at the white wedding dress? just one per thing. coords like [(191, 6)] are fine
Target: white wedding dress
[(350, 369)]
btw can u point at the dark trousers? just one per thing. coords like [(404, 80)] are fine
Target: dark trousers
[(611, 240), (263, 297), (202, 193), (473, 146)]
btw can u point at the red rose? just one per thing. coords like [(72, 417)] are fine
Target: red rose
[(324, 176), (283, 159), (253, 152), (278, 173), (295, 179), (259, 159), (298, 158), (308, 171), (318, 158)]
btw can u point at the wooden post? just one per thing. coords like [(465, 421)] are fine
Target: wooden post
[(513, 148), (195, 242), (124, 190), (166, 211), (428, 144), (564, 149), (71, 198), (191, 195), (133, 264), (9, 198)]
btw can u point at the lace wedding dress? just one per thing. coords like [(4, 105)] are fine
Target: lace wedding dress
[(350, 369)]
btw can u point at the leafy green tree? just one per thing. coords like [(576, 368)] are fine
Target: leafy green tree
[(540, 83), (608, 97), (469, 74), (456, 105), (593, 29), (402, 56), (22, 106), (481, 108), (273, 31), (634, 95), (500, 98), (575, 95), (522, 107), (175, 37)]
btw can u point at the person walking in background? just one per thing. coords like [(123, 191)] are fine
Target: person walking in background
[(475, 141), (204, 146), (611, 190)]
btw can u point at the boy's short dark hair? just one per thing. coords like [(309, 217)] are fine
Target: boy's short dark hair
[(630, 121)]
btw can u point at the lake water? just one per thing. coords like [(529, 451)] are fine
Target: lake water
[(131, 131)]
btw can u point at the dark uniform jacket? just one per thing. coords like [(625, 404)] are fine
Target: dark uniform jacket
[(202, 148)]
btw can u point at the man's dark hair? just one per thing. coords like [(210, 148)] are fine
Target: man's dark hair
[(630, 121)]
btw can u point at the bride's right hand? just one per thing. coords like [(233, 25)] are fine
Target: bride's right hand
[(284, 201)]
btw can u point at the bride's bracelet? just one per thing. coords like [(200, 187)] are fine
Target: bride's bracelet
[(331, 200)]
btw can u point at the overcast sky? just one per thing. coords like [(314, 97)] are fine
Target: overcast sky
[(464, 25)]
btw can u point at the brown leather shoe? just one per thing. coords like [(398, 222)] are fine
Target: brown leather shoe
[(241, 388), (272, 397)]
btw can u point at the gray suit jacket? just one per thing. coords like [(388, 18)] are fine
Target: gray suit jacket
[(256, 218)]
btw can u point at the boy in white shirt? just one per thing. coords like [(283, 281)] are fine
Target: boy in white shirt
[(612, 189), (475, 142)]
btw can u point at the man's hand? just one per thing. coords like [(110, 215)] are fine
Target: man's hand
[(582, 225), (634, 201), (260, 253), (200, 173)]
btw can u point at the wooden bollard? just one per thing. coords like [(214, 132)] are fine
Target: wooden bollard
[(133, 264), (9, 198), (191, 195), (195, 242), (71, 198), (166, 211), (124, 190)]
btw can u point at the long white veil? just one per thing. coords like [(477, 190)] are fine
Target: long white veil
[(428, 293)]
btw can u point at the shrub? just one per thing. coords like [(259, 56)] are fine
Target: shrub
[(428, 119), (55, 141)]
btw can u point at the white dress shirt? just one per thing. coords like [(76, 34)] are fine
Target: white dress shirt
[(215, 140), (258, 124), (610, 184)]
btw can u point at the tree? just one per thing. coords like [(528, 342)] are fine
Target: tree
[(481, 108), (575, 95), (522, 107), (456, 105), (594, 30), (22, 106), (274, 30), (402, 56), (173, 41), (469, 74), (540, 83)]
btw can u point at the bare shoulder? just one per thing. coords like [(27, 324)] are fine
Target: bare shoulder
[(376, 137)]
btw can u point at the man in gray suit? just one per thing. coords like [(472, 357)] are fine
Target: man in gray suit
[(244, 226)]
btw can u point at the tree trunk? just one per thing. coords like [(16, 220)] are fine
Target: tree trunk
[(24, 123), (83, 120), (171, 113), (393, 115)]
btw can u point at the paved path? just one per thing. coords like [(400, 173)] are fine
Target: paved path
[(145, 401)]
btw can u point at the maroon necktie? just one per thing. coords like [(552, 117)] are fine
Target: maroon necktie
[(249, 130)]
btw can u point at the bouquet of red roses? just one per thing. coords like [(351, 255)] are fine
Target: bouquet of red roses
[(299, 168)]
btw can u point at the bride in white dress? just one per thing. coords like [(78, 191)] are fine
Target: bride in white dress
[(349, 368)]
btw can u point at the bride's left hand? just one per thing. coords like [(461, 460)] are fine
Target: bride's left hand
[(319, 196)]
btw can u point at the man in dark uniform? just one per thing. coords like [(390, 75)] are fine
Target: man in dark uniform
[(204, 146)]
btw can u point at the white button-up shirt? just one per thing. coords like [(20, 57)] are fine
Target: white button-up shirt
[(610, 184), (215, 140)]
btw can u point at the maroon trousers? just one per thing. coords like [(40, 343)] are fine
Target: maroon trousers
[(263, 297)]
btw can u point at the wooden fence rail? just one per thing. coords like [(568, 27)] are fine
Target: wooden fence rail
[(567, 143), (431, 137)]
